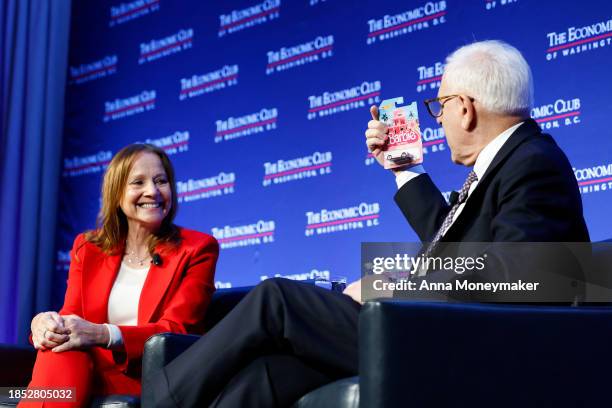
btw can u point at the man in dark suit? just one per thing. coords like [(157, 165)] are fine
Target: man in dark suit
[(521, 187), (286, 338), (527, 193)]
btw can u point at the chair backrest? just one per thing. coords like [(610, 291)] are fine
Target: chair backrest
[(434, 354), (222, 303), (599, 274), (17, 363), (602, 255)]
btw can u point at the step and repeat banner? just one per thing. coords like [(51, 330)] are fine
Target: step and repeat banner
[(262, 106)]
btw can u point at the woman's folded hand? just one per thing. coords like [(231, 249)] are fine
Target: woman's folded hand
[(83, 334), (48, 330)]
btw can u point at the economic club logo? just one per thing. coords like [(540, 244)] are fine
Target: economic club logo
[(492, 4), (133, 105), (310, 275), (577, 40), (178, 142), (257, 122), (434, 140), (364, 215), (213, 81), (238, 20), (301, 54), (423, 17), (429, 76), (562, 112), (594, 179), (62, 262), (330, 103), (93, 163), (93, 70), (222, 284), (132, 10), (156, 49), (199, 189), (284, 171), (257, 233)]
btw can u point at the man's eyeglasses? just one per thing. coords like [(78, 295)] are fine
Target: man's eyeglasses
[(436, 105)]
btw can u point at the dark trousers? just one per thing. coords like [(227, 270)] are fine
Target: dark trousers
[(282, 340)]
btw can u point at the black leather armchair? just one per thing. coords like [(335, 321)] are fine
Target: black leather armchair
[(458, 355), (486, 355), (162, 348)]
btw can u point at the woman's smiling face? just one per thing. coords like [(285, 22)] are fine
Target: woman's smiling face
[(147, 197)]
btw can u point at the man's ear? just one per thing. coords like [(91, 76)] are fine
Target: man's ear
[(468, 120)]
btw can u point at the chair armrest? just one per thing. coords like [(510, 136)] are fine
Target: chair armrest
[(17, 364), (342, 393), (434, 354), (160, 349), (379, 336), (222, 303)]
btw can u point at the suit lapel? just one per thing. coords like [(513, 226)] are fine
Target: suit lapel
[(99, 273), (158, 280)]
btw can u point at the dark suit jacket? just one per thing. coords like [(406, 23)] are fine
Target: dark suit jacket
[(528, 194)]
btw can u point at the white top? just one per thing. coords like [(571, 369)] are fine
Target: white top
[(123, 301), (483, 161)]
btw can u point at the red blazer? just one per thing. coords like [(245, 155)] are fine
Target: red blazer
[(174, 297)]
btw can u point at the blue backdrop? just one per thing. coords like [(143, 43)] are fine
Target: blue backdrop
[(33, 61), (263, 106)]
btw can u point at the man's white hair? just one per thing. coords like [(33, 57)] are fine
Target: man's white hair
[(493, 73)]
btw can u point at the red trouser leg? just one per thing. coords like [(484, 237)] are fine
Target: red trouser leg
[(61, 370)]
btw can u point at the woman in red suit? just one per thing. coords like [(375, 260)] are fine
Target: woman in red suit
[(137, 274)]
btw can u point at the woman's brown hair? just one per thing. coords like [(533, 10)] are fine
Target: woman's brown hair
[(112, 227)]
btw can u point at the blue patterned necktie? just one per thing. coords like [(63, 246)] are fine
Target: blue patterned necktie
[(463, 194)]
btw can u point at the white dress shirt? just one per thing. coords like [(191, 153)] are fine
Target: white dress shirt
[(123, 302), (483, 161)]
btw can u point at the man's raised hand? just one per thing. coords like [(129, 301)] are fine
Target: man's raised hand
[(376, 136)]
